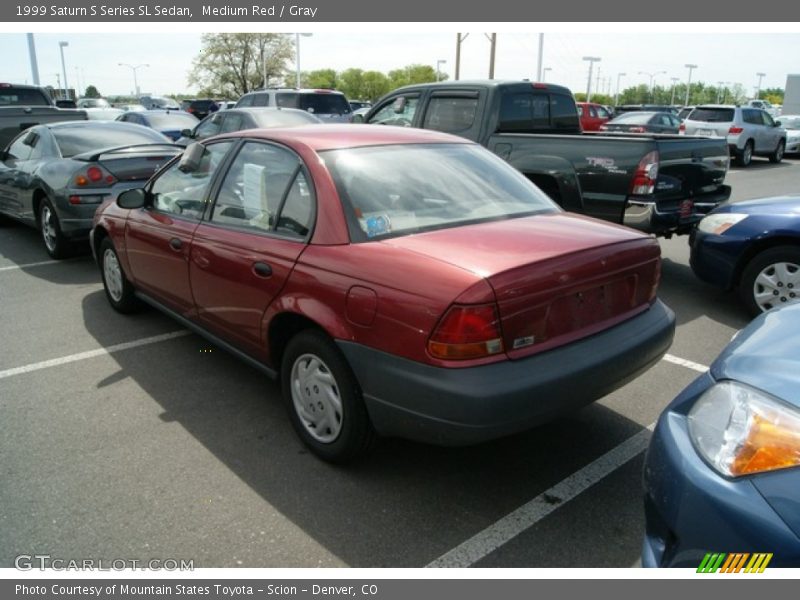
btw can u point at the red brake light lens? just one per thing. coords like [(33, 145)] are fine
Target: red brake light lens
[(682, 128), (735, 130), (467, 332), (94, 176), (644, 179), (637, 130)]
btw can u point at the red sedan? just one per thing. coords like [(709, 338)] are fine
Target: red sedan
[(398, 281)]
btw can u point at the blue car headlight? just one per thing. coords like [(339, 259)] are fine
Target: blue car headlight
[(719, 223), (740, 430)]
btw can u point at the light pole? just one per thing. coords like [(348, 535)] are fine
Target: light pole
[(722, 92), (61, 46), (297, 56), (674, 80), (688, 82), (758, 87), (438, 63), (592, 60), (652, 77), (34, 62), (544, 73), (616, 96), (133, 68)]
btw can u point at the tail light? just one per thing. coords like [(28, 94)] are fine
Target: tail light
[(467, 332), (644, 179), (603, 128), (682, 129), (636, 130), (735, 130), (94, 176)]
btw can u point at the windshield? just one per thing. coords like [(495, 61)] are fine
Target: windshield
[(171, 121), (78, 139), (94, 103), (633, 117), (395, 190)]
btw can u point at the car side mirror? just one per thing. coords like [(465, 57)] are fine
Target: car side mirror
[(190, 161), (777, 124), (187, 133), (3, 155), (399, 105), (357, 119), (135, 198)]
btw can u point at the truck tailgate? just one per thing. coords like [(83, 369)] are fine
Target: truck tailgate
[(14, 119)]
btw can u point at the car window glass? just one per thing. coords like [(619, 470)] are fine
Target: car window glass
[(260, 100), (182, 193), (562, 112), (665, 120), (251, 193), (450, 114), (524, 112), (209, 127), (751, 116), (286, 100), (580, 111), (231, 123), (602, 113), (388, 115), (593, 112), (767, 119), (19, 150), (245, 101)]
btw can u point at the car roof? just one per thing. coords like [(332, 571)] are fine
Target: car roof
[(92, 124), (333, 137), (489, 83)]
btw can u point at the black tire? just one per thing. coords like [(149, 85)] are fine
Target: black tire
[(787, 293), (777, 155), (119, 291), (56, 245), (347, 433), (745, 157)]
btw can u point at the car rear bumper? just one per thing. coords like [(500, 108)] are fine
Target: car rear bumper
[(690, 510), (664, 217), (454, 407)]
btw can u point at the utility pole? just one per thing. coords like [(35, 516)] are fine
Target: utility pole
[(539, 62), (597, 83), (616, 97), (544, 73), (34, 63), (758, 87), (592, 60), (459, 39), (493, 40), (674, 80)]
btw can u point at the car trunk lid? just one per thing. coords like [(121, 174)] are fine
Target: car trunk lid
[(132, 163)]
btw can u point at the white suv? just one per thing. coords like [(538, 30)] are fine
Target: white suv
[(329, 105), (749, 131)]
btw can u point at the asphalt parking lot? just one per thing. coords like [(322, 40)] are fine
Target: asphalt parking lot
[(129, 438)]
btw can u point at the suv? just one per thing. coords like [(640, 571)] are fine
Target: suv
[(749, 131), (329, 105), (202, 108), (158, 103)]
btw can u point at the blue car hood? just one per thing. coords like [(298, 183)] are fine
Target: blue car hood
[(779, 205), (766, 355)]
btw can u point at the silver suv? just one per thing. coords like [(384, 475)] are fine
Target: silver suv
[(329, 105), (750, 131)]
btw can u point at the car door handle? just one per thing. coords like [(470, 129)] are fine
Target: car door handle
[(176, 244), (262, 269)]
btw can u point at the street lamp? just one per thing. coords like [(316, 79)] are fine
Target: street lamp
[(61, 46), (688, 82), (758, 87), (438, 63), (544, 73), (616, 97), (133, 68), (722, 92), (592, 60), (297, 55), (652, 77), (674, 80)]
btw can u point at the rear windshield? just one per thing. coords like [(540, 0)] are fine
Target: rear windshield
[(76, 140), (712, 115), (23, 97), (396, 190), (634, 117), (322, 103), (523, 112), (174, 120), (202, 104), (95, 103)]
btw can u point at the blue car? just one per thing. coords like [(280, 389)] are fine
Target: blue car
[(752, 247), (167, 122), (722, 473)]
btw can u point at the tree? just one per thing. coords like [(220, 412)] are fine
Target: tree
[(414, 74), (321, 78), (232, 64), (91, 92)]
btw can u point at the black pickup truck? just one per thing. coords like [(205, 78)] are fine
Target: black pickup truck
[(23, 106), (661, 184)]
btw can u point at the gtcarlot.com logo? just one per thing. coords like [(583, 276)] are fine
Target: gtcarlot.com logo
[(740, 562)]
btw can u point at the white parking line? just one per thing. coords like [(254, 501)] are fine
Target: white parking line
[(36, 264), (92, 353), (501, 532)]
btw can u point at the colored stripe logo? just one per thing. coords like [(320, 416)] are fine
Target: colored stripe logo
[(714, 562)]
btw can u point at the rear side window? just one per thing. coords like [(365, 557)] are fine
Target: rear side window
[(285, 100), (245, 101), (752, 116), (23, 97), (450, 114), (521, 112), (712, 115), (324, 103)]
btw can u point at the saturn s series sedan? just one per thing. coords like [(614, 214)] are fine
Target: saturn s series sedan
[(398, 281)]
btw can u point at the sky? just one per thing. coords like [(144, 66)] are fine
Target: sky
[(93, 58)]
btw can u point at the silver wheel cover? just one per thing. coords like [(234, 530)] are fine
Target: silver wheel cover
[(48, 228), (112, 273), (316, 398), (777, 285)]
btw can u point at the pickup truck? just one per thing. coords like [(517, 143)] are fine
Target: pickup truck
[(660, 184), (23, 106)]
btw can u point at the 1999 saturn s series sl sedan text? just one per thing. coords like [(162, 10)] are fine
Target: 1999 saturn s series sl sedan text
[(398, 281)]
